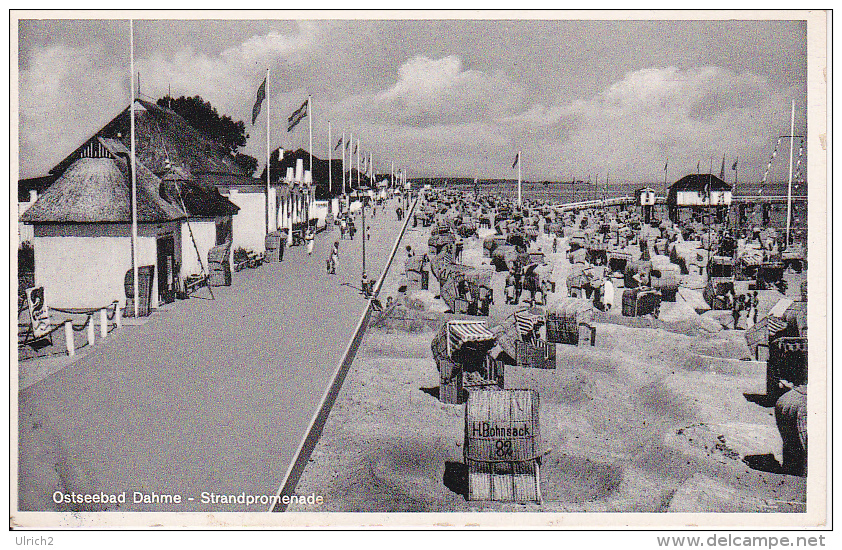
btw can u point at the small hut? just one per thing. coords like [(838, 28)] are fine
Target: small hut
[(698, 191), (82, 227)]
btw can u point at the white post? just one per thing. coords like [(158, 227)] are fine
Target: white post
[(68, 336), (268, 151), (91, 330), (350, 164), (343, 162), (103, 323), (329, 163), (310, 122), (118, 319), (358, 163), (789, 186), (134, 180)]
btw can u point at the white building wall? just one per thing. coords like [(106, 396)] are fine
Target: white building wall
[(250, 222), (204, 234), (84, 265), (698, 198)]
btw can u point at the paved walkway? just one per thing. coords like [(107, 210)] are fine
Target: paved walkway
[(208, 396)]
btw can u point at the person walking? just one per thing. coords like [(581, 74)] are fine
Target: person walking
[(311, 241), (331, 260)]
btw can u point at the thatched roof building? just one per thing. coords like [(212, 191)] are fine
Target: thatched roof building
[(162, 139), (98, 190)]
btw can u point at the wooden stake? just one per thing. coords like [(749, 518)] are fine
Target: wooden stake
[(68, 338)]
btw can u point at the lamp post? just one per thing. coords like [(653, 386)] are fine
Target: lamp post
[(364, 283)]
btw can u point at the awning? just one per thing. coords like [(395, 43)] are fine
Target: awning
[(526, 323), (462, 332)]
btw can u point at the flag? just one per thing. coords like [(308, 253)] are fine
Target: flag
[(698, 169), (338, 144), (297, 117), (734, 166), (355, 150), (666, 164), (261, 95), (348, 146), (722, 169), (517, 159)]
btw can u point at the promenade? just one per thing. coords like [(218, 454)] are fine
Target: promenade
[(208, 396)]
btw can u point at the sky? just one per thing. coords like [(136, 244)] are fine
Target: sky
[(598, 99)]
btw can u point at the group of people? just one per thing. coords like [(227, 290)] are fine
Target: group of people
[(744, 302), (347, 227)]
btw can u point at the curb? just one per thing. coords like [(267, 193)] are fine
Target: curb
[(317, 424)]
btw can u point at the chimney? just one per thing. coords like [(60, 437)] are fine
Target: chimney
[(299, 170), (290, 174), (33, 195), (308, 176)]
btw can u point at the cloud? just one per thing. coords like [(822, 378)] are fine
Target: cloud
[(65, 95), (426, 107), (268, 47), (633, 125), (68, 92), (430, 92)]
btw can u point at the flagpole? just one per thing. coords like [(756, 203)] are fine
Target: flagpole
[(134, 178), (789, 186), (358, 163), (268, 151), (330, 163), (310, 123), (519, 197), (343, 162)]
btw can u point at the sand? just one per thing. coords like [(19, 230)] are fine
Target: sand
[(659, 416)]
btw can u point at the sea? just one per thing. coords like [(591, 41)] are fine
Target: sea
[(558, 193)]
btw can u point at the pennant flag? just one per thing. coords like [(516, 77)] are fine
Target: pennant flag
[(355, 150), (734, 166), (297, 117), (698, 169), (517, 159), (722, 169), (666, 164), (348, 146), (261, 95), (338, 144)]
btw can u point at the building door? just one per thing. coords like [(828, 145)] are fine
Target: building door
[(166, 268)]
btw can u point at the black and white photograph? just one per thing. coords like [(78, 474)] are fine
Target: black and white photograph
[(502, 269)]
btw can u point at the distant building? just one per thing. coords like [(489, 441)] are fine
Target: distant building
[(697, 192)]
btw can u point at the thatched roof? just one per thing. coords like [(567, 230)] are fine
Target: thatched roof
[(201, 199), (162, 137), (98, 190)]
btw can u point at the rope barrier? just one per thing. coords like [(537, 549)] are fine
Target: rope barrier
[(80, 311)]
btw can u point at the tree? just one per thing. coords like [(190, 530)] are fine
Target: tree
[(223, 129), (246, 162)]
